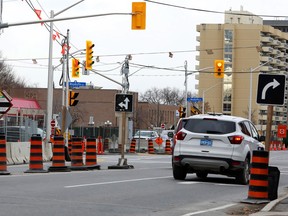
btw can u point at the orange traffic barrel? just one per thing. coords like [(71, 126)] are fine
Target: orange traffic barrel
[(150, 147), (132, 146), (36, 155), (167, 147), (58, 159), (258, 184), (77, 154), (91, 154), (3, 156)]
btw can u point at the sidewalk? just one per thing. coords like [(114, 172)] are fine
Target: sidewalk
[(275, 207)]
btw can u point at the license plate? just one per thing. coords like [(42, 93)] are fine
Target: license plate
[(206, 142)]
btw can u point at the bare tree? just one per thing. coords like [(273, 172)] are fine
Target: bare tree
[(8, 79), (165, 96)]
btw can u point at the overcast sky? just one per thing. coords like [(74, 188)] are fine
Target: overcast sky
[(168, 29)]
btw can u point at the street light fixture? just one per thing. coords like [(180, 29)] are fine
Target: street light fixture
[(50, 72)]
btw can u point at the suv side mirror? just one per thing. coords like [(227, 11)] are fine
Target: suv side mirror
[(262, 138), (170, 134)]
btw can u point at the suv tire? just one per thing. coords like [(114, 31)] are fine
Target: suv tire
[(179, 173), (244, 175)]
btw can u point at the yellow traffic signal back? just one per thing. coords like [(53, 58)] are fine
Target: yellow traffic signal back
[(138, 15), (219, 68), (89, 55), (72, 96), (75, 68)]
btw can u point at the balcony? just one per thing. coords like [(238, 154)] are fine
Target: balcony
[(267, 49), (266, 68), (265, 58), (267, 39)]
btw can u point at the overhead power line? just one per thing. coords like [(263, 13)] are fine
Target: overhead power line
[(212, 11)]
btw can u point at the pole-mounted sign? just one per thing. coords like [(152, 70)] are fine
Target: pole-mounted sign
[(5, 102), (123, 102)]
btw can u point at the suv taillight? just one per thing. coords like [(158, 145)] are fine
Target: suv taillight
[(180, 135), (236, 139)]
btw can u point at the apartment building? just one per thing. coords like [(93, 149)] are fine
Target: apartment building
[(248, 48)]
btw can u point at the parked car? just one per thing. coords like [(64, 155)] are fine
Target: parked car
[(146, 134), (215, 143)]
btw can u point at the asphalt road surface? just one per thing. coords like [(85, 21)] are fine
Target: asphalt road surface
[(148, 189)]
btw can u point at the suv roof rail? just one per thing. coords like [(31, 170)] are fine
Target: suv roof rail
[(214, 113)]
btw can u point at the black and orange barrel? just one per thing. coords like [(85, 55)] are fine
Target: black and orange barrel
[(36, 155), (258, 184), (3, 156)]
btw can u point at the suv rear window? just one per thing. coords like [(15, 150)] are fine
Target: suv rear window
[(210, 126)]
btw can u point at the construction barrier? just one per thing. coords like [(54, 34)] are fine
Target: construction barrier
[(8, 154), (132, 146), (150, 146), (20, 152), (58, 160), (91, 154), (77, 154), (36, 155), (167, 147), (258, 184), (3, 159)]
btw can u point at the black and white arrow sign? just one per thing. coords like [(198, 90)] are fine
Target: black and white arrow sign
[(123, 102), (271, 89)]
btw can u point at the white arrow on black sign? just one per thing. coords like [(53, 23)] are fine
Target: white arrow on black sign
[(124, 105), (273, 84), (123, 102)]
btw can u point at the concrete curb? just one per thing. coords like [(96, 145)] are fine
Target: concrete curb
[(266, 211)]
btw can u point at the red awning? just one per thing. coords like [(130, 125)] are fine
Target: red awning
[(25, 103)]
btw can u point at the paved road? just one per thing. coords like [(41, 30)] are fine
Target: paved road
[(148, 189)]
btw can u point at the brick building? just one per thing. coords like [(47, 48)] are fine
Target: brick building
[(99, 105)]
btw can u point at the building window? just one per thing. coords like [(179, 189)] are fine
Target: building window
[(228, 36), (226, 107)]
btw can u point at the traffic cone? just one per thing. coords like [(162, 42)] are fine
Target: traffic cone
[(91, 154), (36, 155), (168, 147), (271, 147), (275, 148), (132, 146), (58, 159), (77, 154), (284, 147), (150, 147)]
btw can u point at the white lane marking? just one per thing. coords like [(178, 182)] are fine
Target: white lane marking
[(116, 182), (209, 210), (187, 183)]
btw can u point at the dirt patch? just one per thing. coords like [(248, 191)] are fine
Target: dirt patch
[(244, 209)]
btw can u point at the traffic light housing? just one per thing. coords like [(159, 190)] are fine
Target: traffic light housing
[(75, 68), (219, 68), (89, 55), (72, 96), (138, 15), (182, 112)]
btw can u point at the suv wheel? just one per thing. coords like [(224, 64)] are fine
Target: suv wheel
[(179, 173), (244, 175), (202, 175)]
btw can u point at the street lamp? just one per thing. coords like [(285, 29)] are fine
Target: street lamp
[(50, 72), (185, 83), (203, 96)]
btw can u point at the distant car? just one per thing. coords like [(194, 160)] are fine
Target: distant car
[(146, 134), (215, 143)]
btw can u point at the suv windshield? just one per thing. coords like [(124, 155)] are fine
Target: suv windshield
[(209, 126)]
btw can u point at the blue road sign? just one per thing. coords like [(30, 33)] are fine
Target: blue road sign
[(76, 84), (194, 99)]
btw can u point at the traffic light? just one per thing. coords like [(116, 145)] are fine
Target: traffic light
[(75, 68), (219, 68), (89, 55), (194, 110), (182, 112), (72, 96), (138, 15)]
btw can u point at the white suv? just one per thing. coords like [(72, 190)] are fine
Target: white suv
[(214, 143)]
